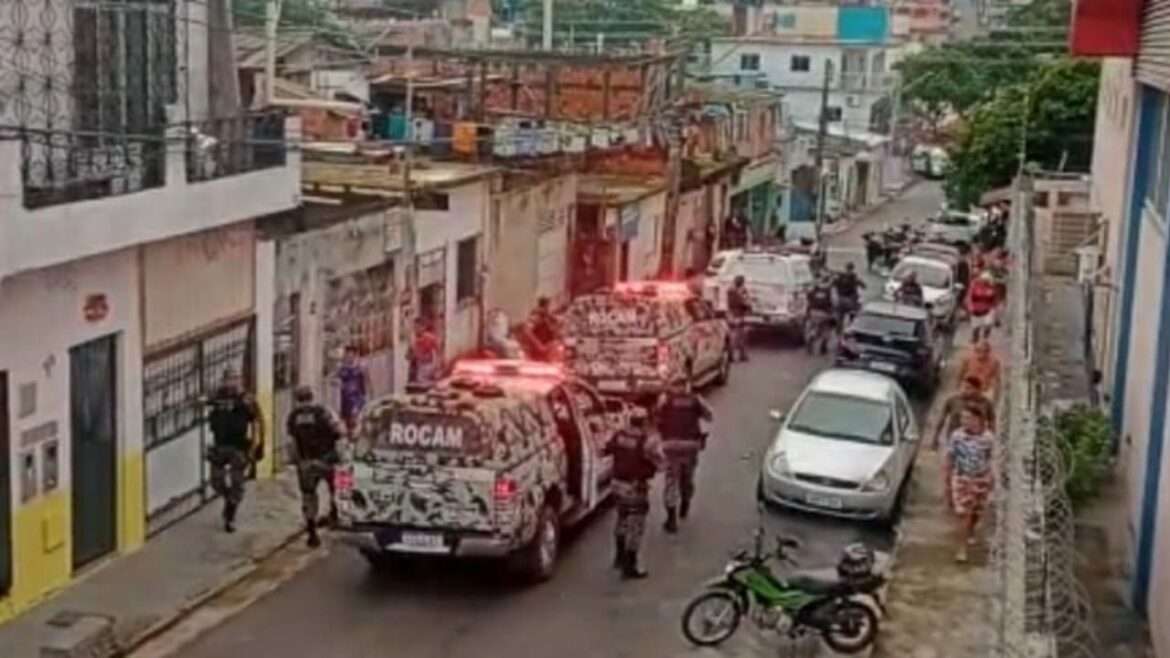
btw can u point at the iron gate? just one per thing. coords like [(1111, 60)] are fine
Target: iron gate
[(175, 382)]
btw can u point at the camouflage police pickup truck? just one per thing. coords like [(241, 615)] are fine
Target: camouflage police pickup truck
[(491, 462)]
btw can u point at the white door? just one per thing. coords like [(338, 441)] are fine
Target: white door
[(551, 255)]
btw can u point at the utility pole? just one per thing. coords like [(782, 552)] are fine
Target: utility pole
[(272, 20), (819, 163), (409, 109), (547, 34), (895, 117)]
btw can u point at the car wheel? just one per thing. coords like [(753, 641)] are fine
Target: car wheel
[(539, 560), (724, 367)]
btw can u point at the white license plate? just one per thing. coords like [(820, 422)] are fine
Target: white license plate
[(883, 367), (422, 542), (611, 385), (827, 502)]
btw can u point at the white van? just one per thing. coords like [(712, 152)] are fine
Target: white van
[(777, 281)]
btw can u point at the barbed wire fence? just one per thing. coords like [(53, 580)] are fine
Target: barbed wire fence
[(1040, 609)]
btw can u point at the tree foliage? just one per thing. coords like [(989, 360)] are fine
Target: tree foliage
[(1041, 13), (1049, 118), (949, 80), (296, 16)]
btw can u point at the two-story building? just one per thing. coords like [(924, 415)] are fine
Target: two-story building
[(130, 278), (1131, 191), (851, 49)]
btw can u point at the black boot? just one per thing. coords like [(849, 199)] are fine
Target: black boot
[(671, 524), (314, 540), (619, 554), (685, 508), (630, 568), (229, 517)]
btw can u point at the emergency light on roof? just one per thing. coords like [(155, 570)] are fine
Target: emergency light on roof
[(654, 288), (507, 369)]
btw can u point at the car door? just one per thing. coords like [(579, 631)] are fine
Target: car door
[(909, 436), (903, 431), (701, 334), (719, 330), (597, 429)]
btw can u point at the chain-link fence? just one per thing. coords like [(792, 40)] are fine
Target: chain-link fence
[(1041, 610)]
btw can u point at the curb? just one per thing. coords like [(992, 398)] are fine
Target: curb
[(233, 578)]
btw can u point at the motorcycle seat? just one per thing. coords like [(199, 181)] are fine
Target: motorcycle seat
[(816, 583)]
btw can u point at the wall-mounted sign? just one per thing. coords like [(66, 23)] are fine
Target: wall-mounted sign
[(96, 307)]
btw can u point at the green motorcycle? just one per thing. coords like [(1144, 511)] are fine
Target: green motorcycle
[(795, 605)]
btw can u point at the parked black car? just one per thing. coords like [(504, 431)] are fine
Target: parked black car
[(897, 340)]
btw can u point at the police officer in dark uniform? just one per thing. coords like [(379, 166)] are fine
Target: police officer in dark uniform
[(820, 315), (738, 307), (237, 430), (680, 415), (637, 456), (848, 286), (315, 430), (544, 327)]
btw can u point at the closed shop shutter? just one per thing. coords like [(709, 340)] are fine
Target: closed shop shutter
[(1153, 61)]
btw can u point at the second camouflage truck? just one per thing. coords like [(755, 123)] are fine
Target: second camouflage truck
[(491, 462)]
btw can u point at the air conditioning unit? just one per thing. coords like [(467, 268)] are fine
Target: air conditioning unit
[(853, 100)]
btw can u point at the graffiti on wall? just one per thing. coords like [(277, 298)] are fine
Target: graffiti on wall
[(358, 311)]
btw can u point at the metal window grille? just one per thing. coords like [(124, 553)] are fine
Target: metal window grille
[(87, 84)]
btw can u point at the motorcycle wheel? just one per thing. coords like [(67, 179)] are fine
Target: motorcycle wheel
[(697, 623), (852, 626)]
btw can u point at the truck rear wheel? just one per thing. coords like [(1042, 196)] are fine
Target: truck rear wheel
[(538, 560)]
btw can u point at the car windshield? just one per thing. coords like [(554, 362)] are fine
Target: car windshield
[(885, 325), (843, 417), (769, 270), (929, 275)]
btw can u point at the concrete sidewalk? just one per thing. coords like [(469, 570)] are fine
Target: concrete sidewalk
[(852, 218), (142, 594), (936, 607)]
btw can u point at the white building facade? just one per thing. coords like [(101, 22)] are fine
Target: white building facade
[(128, 265), (860, 77)]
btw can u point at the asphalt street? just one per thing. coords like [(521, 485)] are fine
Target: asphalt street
[(337, 608)]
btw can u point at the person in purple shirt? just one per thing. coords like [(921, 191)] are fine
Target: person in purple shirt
[(355, 387)]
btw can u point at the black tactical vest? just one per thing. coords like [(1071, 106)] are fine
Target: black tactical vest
[(229, 419), (680, 417), (630, 462), (314, 435)]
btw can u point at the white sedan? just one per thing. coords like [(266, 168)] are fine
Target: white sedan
[(845, 449), (939, 289)]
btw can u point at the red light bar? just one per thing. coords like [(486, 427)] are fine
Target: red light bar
[(660, 288), (507, 368)]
